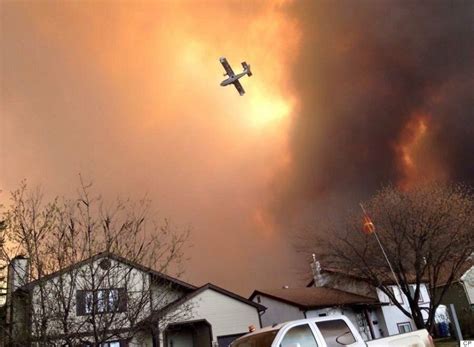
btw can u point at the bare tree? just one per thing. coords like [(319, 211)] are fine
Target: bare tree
[(427, 233), (98, 294)]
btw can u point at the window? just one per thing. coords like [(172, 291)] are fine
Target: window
[(412, 293), (101, 301), (404, 327), (113, 300), (301, 334), (396, 293), (108, 344), (89, 302), (336, 333)]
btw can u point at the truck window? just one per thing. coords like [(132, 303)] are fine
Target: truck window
[(336, 333), (264, 339), (300, 334)]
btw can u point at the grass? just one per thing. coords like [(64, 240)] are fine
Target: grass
[(446, 342)]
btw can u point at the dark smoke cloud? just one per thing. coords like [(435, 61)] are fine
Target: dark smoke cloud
[(365, 69)]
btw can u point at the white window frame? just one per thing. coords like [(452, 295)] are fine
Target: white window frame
[(106, 300), (404, 324), (420, 298), (395, 290)]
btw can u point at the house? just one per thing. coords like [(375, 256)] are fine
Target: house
[(286, 304), (391, 320), (110, 301), (461, 295)]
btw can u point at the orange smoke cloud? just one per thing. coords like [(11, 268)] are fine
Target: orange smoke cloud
[(416, 160), (129, 95)]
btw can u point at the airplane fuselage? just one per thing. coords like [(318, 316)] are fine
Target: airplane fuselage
[(232, 79)]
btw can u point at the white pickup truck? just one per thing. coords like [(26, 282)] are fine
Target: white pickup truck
[(334, 331)]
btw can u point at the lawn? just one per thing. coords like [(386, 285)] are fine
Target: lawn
[(446, 342)]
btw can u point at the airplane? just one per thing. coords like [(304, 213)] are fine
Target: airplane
[(233, 78)]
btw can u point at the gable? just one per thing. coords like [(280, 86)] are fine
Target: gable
[(213, 301), (468, 281), (227, 314), (88, 266)]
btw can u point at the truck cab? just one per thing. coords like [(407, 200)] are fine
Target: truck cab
[(334, 331)]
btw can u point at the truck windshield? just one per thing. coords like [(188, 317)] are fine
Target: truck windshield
[(263, 339)]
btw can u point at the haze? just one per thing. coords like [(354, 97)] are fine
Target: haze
[(345, 97)]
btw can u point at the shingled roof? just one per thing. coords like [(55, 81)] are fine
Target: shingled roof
[(315, 297)]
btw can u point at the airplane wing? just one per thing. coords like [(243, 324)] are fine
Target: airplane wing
[(239, 88), (227, 67)]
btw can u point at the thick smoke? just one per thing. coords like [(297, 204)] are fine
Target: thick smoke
[(127, 94), (369, 71)]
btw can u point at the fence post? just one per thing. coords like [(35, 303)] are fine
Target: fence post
[(454, 317)]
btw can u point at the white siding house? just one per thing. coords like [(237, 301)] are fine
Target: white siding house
[(390, 319), (228, 314), (395, 320), (467, 279), (287, 304), (107, 298)]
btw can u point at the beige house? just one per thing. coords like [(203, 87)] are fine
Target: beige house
[(109, 301)]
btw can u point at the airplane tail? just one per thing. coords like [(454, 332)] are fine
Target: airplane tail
[(247, 68)]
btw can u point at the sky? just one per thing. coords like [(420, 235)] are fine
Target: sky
[(345, 97)]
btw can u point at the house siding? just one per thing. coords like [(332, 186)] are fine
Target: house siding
[(226, 315), (277, 311), (141, 340), (394, 316), (457, 296), (137, 284), (468, 282), (164, 294), (387, 317)]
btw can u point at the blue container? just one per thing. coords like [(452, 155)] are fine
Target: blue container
[(443, 329)]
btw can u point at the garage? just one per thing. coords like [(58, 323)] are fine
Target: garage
[(189, 334)]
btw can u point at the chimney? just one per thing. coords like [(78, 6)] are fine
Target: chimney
[(316, 269), (17, 273)]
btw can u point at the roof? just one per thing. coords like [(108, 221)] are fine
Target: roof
[(315, 297), (163, 311), (444, 275), (118, 258), (386, 280)]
